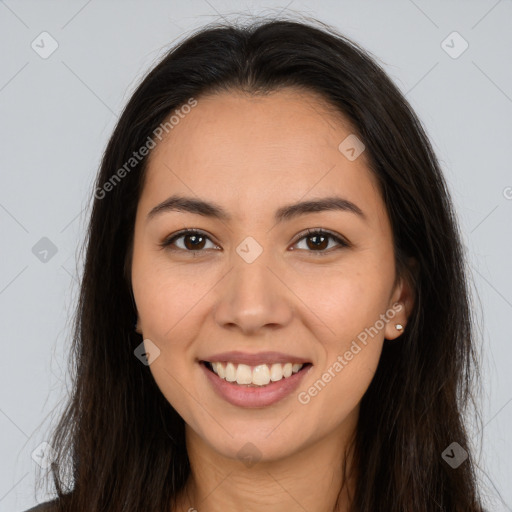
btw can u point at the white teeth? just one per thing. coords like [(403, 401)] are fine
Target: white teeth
[(276, 372), (230, 372), (260, 375), (243, 374), (221, 371), (287, 369)]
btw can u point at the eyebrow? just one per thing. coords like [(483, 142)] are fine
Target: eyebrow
[(288, 212)]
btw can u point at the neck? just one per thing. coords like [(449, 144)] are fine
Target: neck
[(310, 479)]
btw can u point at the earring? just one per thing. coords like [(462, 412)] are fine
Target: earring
[(399, 327)]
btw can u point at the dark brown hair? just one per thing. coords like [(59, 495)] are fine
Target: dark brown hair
[(120, 444)]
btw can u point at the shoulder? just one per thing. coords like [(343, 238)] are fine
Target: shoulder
[(47, 506)]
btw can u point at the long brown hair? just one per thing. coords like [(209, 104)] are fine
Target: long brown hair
[(120, 445)]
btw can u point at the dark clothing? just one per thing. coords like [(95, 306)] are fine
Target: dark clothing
[(47, 506)]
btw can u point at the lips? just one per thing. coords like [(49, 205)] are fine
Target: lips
[(254, 369), (254, 380)]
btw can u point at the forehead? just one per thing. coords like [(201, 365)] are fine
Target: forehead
[(259, 148)]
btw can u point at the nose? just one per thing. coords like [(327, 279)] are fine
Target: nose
[(254, 297)]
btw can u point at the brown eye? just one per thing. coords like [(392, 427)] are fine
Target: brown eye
[(192, 241), (318, 240)]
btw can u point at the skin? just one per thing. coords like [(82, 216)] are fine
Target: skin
[(252, 155)]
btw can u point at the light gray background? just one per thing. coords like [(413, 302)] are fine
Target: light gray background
[(57, 113)]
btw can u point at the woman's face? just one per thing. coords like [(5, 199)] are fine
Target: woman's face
[(253, 291)]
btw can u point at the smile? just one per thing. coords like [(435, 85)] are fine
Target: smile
[(254, 385), (260, 375)]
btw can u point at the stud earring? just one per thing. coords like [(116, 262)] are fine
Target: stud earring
[(399, 327)]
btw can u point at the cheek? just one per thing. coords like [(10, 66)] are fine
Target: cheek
[(350, 302), (346, 300), (168, 295), (337, 389), (351, 348), (169, 305)]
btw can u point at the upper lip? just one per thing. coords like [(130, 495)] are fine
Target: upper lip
[(255, 359)]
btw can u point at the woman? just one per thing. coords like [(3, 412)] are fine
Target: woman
[(271, 217)]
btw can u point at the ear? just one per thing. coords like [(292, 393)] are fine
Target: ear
[(402, 302), (137, 325)]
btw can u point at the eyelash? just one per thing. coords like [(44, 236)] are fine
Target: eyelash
[(167, 243)]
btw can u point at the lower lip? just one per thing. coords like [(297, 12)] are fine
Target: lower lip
[(257, 396)]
